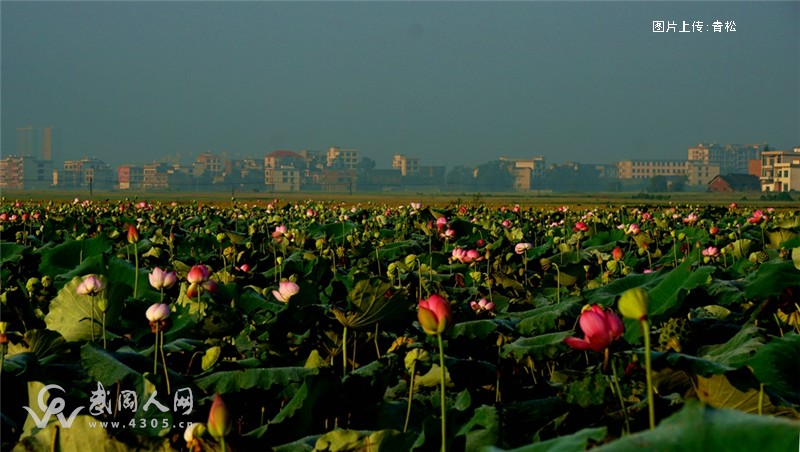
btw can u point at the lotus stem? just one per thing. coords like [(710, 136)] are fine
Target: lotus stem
[(377, 348), (104, 330), (619, 394), (778, 323), (378, 261), (444, 410), (761, 399), (155, 351), (355, 344), (344, 352), (649, 369), (136, 279), (164, 361), (558, 283), (410, 394), (91, 309), (675, 252)]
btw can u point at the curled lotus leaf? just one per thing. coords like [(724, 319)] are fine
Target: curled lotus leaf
[(373, 300)]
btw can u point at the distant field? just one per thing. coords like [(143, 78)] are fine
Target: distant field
[(491, 199)]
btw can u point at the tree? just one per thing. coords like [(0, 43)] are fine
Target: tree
[(494, 176), (459, 178), (679, 184), (658, 184)]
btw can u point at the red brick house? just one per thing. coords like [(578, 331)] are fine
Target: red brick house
[(734, 183)]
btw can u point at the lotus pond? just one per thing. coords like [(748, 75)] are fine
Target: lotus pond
[(299, 326)]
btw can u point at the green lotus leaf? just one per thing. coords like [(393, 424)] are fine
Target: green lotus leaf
[(700, 427)]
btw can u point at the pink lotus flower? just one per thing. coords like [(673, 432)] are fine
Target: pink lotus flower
[(245, 268), (280, 231), (434, 314), (600, 327), (646, 216), (449, 233), (711, 251), (157, 312), (466, 256), (758, 217), (522, 247), (311, 213), (199, 281), (482, 305), (416, 205), (161, 279), (690, 219), (633, 229), (617, 254), (580, 226), (506, 223), (286, 289), (91, 285), (441, 223)]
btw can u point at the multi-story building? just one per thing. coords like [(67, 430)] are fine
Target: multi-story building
[(408, 166), (86, 172), (528, 173), (155, 176), (337, 180), (700, 173), (19, 172), (338, 158), (209, 165), (645, 169), (130, 177), (780, 170), (283, 171), (731, 158)]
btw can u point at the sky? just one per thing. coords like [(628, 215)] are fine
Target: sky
[(453, 83)]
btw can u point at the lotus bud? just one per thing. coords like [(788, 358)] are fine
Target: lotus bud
[(157, 312), (219, 421), (434, 314), (133, 234)]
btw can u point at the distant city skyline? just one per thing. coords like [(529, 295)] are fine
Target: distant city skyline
[(450, 83)]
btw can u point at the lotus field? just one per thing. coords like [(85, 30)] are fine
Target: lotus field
[(298, 326)]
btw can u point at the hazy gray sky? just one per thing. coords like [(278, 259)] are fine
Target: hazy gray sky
[(452, 83)]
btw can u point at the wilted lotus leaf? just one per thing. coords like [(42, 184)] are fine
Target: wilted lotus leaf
[(433, 378), (373, 300), (740, 248), (643, 240), (776, 238), (236, 238), (718, 392)]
